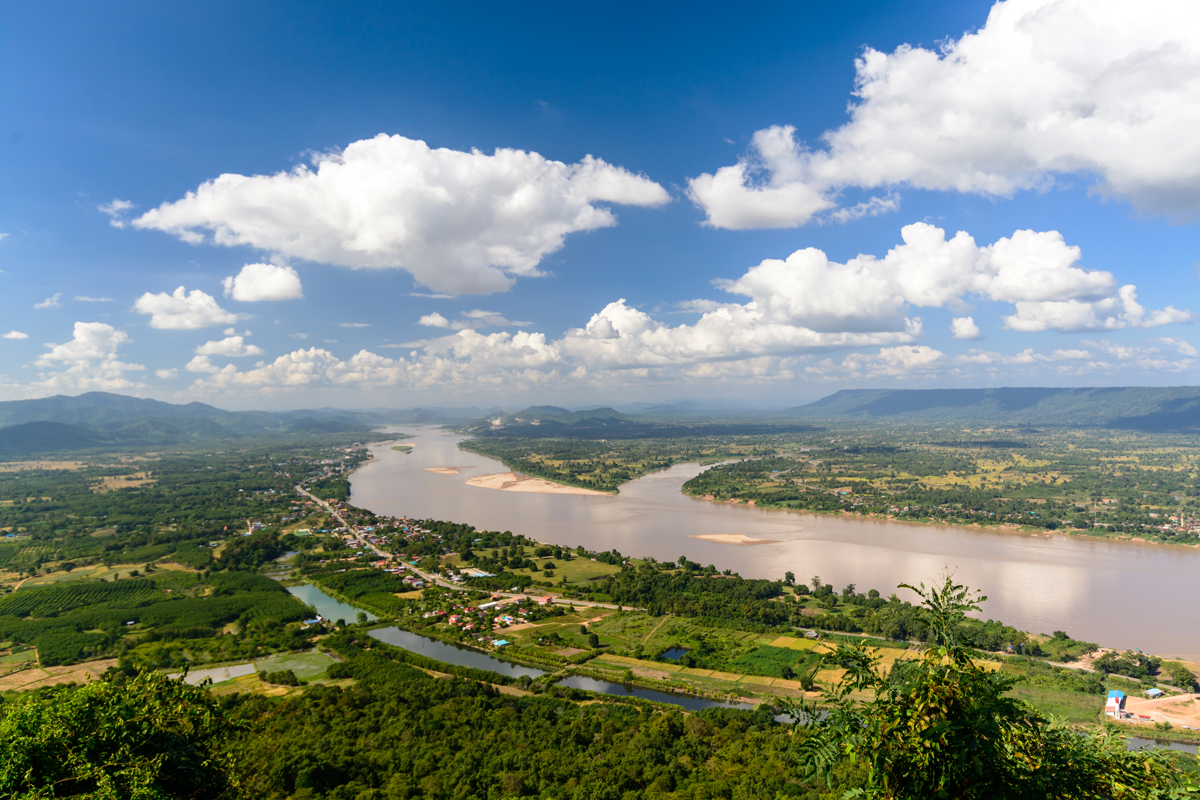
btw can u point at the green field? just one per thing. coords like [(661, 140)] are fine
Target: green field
[(307, 666), (1071, 707)]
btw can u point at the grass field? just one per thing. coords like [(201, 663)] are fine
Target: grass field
[(9, 660), (1071, 707), (403, 448), (577, 571), (307, 666), (96, 572)]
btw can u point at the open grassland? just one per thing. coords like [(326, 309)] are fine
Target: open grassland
[(112, 483), (307, 666)]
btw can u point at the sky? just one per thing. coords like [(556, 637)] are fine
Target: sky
[(301, 204)]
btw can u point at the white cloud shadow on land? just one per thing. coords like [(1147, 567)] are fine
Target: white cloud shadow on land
[(183, 310), (258, 282), (460, 223), (1103, 88)]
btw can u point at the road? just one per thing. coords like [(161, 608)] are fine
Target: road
[(433, 578)]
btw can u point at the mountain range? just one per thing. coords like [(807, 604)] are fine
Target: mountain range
[(1175, 408)]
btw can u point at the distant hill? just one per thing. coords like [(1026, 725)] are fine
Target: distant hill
[(549, 422), (1175, 408), (37, 437)]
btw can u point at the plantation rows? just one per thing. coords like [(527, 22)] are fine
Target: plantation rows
[(52, 600)]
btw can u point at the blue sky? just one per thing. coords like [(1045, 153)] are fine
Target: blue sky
[(771, 210)]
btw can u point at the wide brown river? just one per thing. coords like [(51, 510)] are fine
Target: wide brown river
[(1121, 594)]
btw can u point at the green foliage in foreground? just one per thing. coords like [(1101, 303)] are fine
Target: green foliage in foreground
[(942, 727), (150, 739)]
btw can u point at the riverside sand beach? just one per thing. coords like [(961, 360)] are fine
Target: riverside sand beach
[(516, 482)]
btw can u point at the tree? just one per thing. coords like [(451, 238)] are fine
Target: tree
[(789, 578), (593, 640), (149, 738), (941, 726)]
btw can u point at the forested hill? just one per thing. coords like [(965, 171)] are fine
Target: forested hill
[(62, 423), (1175, 408)]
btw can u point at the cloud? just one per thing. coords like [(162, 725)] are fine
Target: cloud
[(460, 223), (1035, 271), (115, 210), (1046, 88), (434, 320), (201, 364), (15, 335), (1027, 356), (183, 311), (3, 236), (257, 282), (231, 346), (1180, 345), (86, 363), (1109, 314), (354, 324), (780, 316), (476, 318), (50, 302), (298, 335), (167, 374), (965, 328), (83, 298)]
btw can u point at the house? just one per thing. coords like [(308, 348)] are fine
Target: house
[(1154, 693), (1115, 706), (500, 643)]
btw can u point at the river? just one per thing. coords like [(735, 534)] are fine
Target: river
[(1121, 594)]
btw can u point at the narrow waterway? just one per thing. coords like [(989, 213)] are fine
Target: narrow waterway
[(620, 690), (449, 654), (328, 607), (1122, 594)]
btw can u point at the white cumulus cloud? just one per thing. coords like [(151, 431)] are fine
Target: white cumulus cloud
[(86, 363), (459, 222), (183, 310), (1037, 272), (258, 282), (434, 320), (15, 335), (50, 302), (1098, 88), (965, 328), (231, 346)]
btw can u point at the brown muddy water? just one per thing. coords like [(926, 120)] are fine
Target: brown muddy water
[(1121, 594)]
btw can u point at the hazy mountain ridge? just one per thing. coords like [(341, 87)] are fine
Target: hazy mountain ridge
[(1175, 408), (553, 422)]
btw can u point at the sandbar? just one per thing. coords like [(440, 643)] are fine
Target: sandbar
[(446, 470), (515, 482), (739, 539)]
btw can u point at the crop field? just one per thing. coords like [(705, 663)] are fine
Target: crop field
[(40, 677)]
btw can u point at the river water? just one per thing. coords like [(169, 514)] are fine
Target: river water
[(1121, 594)]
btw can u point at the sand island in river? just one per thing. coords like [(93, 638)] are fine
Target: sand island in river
[(515, 482)]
